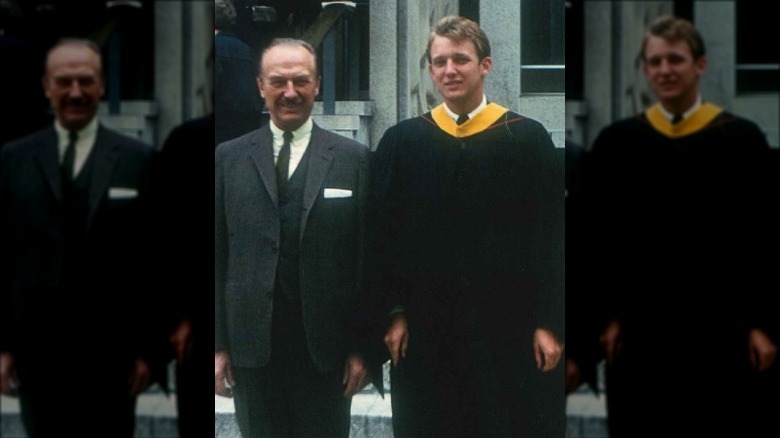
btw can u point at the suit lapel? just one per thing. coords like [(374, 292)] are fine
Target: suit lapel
[(262, 153), (48, 159), (320, 160), (104, 158)]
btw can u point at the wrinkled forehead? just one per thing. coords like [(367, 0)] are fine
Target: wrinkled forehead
[(73, 60), (287, 60)]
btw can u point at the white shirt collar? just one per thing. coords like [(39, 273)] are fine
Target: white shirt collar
[(471, 114), (303, 131), (687, 113), (84, 142), (90, 130)]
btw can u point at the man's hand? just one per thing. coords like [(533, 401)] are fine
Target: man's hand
[(612, 340), (762, 350), (222, 370), (397, 338), (547, 349), (140, 377), (573, 375), (356, 376), (181, 340), (8, 378)]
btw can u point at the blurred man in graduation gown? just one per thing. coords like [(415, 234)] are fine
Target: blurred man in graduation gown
[(678, 196)]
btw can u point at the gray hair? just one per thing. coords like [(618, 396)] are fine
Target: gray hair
[(78, 42), (290, 42)]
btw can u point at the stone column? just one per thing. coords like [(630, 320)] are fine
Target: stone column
[(383, 69), (168, 65), (500, 19), (715, 21), (184, 33)]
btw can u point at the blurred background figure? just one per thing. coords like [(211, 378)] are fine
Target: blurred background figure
[(260, 21), (185, 174), (238, 102), (24, 108), (582, 352)]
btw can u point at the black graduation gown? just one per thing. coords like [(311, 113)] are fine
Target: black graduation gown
[(469, 243)]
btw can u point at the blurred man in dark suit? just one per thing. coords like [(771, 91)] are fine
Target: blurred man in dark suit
[(185, 167), (74, 236)]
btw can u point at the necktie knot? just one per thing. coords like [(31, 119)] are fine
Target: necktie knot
[(676, 118), (288, 136), (462, 119)]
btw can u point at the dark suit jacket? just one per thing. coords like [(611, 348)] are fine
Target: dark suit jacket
[(247, 244), (41, 315)]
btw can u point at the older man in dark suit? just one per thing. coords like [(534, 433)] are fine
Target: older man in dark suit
[(74, 226), (289, 215)]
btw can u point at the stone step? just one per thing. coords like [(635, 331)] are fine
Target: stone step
[(586, 412), (155, 416), (371, 416)]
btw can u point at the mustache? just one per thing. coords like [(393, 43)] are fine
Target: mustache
[(79, 102), (291, 102)]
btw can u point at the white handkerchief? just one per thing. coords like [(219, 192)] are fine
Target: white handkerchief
[(122, 193), (337, 193)]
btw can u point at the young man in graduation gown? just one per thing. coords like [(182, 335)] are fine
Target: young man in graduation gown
[(678, 194), (468, 206)]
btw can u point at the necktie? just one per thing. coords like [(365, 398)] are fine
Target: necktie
[(462, 119), (69, 158), (283, 161), (676, 118)]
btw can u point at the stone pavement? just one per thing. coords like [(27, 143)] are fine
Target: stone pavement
[(155, 416), (371, 416), (586, 412)]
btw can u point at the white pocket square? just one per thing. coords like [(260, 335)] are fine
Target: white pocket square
[(337, 193), (122, 193)]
